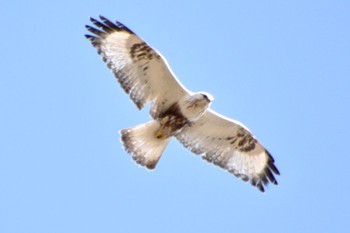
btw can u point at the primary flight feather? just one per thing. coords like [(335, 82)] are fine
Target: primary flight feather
[(146, 77)]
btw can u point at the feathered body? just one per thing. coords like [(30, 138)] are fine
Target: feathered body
[(147, 142)]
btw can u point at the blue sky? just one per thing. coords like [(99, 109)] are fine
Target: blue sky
[(280, 67)]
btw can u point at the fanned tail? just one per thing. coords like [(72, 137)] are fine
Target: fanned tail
[(143, 145)]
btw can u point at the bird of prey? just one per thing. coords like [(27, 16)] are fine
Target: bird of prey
[(146, 77)]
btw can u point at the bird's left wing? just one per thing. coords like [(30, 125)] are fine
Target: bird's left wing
[(142, 72), (228, 144)]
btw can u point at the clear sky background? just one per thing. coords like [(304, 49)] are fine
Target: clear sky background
[(280, 67)]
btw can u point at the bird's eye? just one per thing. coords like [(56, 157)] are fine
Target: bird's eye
[(207, 97)]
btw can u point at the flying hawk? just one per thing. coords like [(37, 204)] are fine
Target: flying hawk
[(146, 77)]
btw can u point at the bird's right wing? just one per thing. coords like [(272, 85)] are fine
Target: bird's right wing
[(142, 72)]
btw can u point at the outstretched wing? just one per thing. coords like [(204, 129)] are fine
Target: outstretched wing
[(230, 145), (141, 70)]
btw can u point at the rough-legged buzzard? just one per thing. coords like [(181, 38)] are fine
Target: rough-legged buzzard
[(146, 77)]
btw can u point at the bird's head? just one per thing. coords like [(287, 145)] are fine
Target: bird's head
[(195, 105)]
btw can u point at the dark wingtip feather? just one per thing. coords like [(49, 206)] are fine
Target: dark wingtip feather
[(270, 163), (102, 17), (265, 180), (93, 39), (93, 20), (272, 166), (260, 187), (95, 31), (90, 37), (109, 23), (270, 176)]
